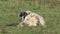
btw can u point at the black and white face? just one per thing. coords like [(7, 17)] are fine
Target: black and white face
[(23, 15)]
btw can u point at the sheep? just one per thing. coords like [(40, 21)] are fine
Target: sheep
[(31, 19)]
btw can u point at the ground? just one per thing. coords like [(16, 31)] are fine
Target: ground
[(49, 9)]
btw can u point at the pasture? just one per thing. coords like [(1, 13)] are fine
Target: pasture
[(49, 9)]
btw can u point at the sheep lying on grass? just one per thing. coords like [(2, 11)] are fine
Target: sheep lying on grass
[(31, 19)]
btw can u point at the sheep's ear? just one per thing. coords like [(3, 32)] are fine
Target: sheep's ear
[(20, 15), (28, 12)]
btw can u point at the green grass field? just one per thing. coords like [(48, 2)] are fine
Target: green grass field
[(49, 9)]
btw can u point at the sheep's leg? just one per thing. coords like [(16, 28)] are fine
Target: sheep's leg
[(42, 22)]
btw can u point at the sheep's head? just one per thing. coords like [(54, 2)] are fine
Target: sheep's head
[(23, 14)]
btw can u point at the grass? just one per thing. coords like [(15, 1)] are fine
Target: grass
[(49, 9)]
